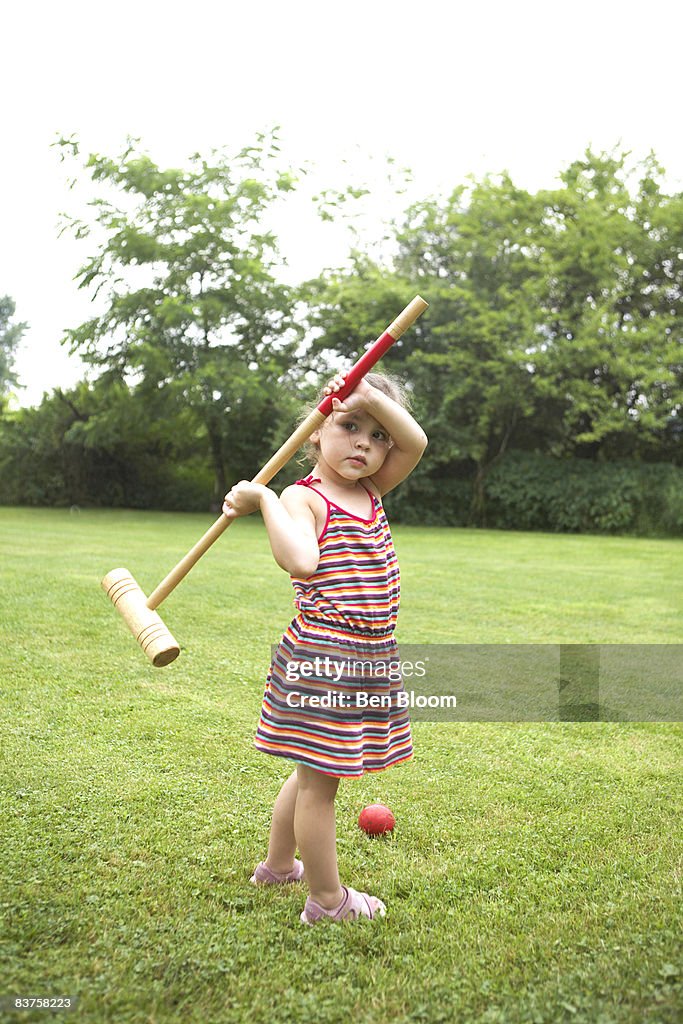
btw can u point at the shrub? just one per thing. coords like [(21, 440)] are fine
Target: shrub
[(527, 491)]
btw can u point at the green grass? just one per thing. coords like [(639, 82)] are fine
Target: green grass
[(534, 873)]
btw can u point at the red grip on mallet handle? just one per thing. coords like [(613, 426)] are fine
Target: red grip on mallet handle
[(401, 324)]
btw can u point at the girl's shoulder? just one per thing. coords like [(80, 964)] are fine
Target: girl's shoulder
[(303, 500), (296, 496)]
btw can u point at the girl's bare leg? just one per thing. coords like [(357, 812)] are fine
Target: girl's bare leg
[(282, 844), (315, 830)]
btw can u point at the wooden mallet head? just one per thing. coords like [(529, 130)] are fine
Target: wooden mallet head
[(145, 624), (137, 610)]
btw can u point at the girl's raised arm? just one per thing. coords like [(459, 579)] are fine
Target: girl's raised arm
[(408, 438), (409, 442)]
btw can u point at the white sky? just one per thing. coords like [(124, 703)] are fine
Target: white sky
[(447, 89)]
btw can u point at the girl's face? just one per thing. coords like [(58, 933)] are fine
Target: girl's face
[(352, 444)]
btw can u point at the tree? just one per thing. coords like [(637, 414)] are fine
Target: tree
[(465, 358), (10, 337), (554, 323), (103, 443), (608, 359), (473, 256), (185, 271)]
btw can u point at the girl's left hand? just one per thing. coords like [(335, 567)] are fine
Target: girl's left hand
[(356, 400)]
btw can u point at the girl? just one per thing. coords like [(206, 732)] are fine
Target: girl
[(331, 535)]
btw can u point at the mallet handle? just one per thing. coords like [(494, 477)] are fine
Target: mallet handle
[(365, 363), (291, 446)]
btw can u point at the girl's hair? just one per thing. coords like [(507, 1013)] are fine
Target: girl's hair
[(387, 383)]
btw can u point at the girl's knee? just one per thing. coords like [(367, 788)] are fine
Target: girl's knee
[(310, 780)]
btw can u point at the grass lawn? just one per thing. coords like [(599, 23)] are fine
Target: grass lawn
[(535, 871)]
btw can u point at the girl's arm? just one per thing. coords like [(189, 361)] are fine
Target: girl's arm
[(408, 438), (289, 520)]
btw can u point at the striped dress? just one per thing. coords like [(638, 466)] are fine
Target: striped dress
[(332, 692)]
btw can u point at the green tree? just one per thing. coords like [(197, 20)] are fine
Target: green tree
[(465, 358), (554, 321), (103, 443), (472, 253), (608, 360), (184, 269), (10, 337)]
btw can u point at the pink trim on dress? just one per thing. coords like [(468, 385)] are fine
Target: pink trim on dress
[(304, 483), (309, 480)]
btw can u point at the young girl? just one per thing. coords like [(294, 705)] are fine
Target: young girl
[(331, 535)]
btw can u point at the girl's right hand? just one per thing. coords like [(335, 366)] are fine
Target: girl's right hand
[(243, 499)]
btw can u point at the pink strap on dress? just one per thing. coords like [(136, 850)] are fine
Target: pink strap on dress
[(374, 504), (306, 482)]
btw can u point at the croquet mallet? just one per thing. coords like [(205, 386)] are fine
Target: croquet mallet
[(137, 610)]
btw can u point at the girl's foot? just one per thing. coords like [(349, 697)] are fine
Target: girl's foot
[(353, 905), (264, 876)]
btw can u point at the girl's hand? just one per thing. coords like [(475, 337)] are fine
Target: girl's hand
[(243, 499), (356, 400)]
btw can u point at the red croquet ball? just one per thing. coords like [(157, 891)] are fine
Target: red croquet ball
[(376, 819)]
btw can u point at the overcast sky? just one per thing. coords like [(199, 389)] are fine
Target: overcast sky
[(448, 89)]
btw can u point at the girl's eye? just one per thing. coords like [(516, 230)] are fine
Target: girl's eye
[(379, 435), (349, 426)]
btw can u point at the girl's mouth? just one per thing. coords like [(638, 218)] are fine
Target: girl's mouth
[(359, 459)]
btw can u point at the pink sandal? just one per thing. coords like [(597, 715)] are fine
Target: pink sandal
[(264, 876), (353, 905)]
